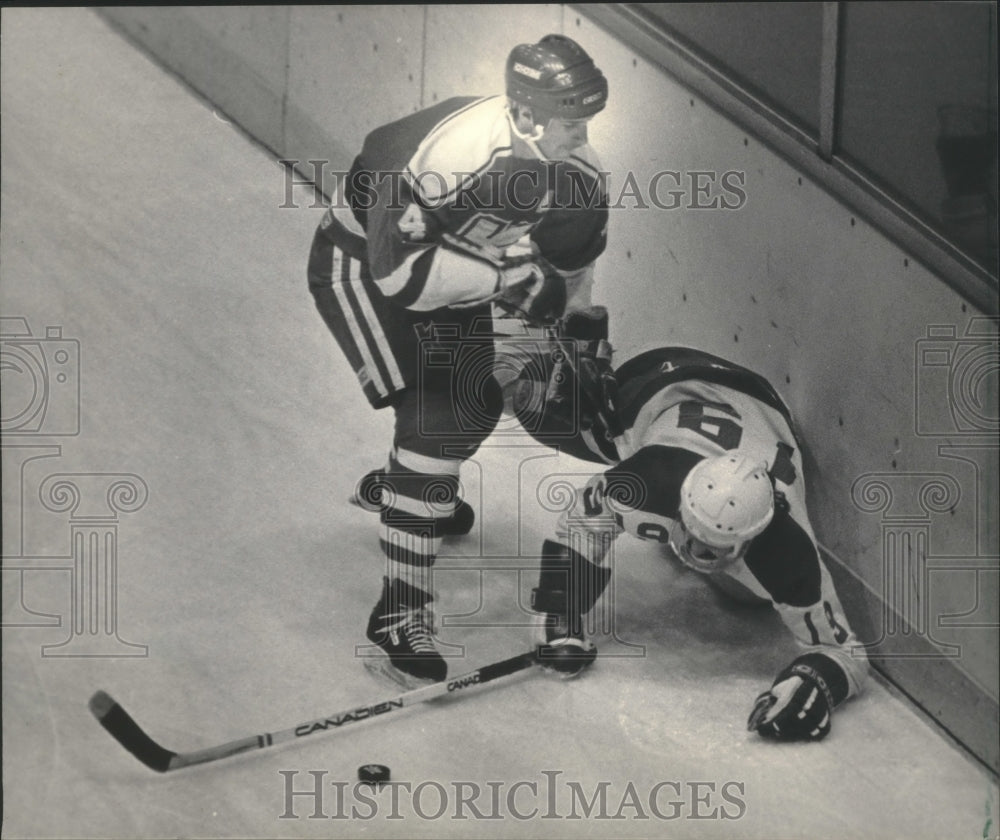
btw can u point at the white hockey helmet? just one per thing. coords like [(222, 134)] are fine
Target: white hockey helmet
[(725, 502)]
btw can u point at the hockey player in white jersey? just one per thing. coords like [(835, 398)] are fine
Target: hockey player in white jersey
[(702, 457)]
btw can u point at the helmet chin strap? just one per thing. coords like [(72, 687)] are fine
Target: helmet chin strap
[(680, 544), (531, 140)]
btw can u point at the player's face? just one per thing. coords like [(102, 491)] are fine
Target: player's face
[(561, 137), (700, 556)]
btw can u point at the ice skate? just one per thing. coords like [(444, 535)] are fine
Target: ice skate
[(561, 646), (401, 626)]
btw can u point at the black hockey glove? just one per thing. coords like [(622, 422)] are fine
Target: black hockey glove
[(799, 704), (533, 291), (595, 377), (600, 386), (590, 324)]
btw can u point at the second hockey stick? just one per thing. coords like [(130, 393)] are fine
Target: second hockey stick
[(130, 735)]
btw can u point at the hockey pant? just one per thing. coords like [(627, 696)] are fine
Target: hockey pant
[(355, 311), (435, 369)]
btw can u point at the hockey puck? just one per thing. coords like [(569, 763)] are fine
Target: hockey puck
[(375, 775)]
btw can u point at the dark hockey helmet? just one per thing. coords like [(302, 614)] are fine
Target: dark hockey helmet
[(556, 78)]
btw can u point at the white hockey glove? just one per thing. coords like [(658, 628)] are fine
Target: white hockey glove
[(797, 707), (527, 287)]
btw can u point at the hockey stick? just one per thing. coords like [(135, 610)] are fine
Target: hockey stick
[(130, 735)]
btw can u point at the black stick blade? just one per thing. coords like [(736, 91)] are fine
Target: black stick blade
[(128, 733)]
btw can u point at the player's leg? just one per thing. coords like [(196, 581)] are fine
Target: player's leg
[(435, 432), (368, 496), (454, 409), (370, 335), (572, 576), (419, 491), (355, 311), (568, 587)]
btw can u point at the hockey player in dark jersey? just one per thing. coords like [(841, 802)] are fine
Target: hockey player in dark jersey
[(702, 457), (471, 204)]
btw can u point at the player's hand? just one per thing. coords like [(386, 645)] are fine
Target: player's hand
[(795, 708), (519, 274), (589, 324), (529, 289), (597, 379)]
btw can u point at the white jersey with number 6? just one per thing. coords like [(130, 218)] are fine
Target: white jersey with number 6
[(680, 406)]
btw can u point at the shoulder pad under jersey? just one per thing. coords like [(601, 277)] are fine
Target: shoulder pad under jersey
[(465, 142)]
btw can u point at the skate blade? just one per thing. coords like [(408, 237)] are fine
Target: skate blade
[(380, 667), (555, 673), (550, 669)]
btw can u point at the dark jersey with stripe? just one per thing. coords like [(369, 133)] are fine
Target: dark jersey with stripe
[(456, 178)]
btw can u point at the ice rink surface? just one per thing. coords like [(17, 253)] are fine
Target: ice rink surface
[(152, 232)]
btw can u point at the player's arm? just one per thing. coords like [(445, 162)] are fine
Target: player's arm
[(832, 667), (562, 388), (573, 233), (571, 241), (643, 491), (420, 264), (587, 526), (407, 260)]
